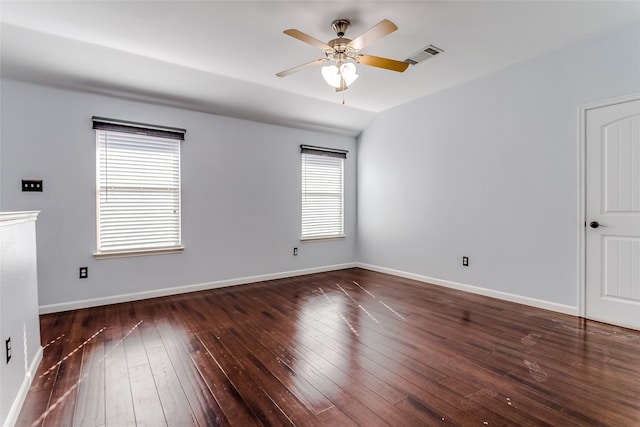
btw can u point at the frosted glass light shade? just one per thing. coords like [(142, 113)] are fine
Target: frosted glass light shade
[(331, 75), (334, 75), (348, 72)]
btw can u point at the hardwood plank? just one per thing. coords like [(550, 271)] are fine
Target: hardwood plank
[(260, 404), (146, 402), (34, 408), (329, 378), (228, 398), (61, 406), (264, 360), (134, 349), (83, 329), (310, 396), (203, 404), (433, 395), (118, 400), (90, 410), (172, 398), (53, 330), (333, 416)]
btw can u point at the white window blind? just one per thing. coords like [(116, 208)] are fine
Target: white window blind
[(322, 192), (138, 194)]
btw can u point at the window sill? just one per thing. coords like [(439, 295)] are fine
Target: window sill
[(315, 238), (142, 252)]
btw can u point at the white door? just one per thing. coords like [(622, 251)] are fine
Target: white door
[(613, 214)]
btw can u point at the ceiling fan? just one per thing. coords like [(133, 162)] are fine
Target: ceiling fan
[(344, 53)]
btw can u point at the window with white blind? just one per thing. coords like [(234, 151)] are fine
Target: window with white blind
[(322, 192), (138, 188)]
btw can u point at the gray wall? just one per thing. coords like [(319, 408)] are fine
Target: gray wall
[(489, 170), (240, 195)]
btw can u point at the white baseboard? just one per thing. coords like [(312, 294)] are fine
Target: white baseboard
[(533, 302), (16, 407), (115, 299)]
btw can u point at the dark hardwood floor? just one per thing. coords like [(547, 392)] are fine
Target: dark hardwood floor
[(345, 348)]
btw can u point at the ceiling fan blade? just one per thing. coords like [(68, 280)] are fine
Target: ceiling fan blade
[(378, 31), (386, 63), (301, 67), (307, 39)]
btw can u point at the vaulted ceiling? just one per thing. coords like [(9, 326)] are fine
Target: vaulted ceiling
[(221, 57)]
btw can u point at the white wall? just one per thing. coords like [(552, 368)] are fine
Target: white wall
[(489, 170), (18, 311), (240, 195)]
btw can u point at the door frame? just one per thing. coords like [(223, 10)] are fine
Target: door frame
[(582, 191)]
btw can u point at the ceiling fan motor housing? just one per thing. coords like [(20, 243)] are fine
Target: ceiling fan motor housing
[(340, 26)]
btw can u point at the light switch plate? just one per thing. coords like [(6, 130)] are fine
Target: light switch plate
[(32, 185)]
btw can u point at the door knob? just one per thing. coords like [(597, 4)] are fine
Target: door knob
[(596, 224)]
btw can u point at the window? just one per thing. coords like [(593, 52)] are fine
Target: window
[(138, 188), (322, 192)]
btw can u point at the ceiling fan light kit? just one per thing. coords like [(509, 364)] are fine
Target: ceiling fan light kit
[(345, 75), (343, 53)]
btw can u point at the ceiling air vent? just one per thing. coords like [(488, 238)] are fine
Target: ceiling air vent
[(423, 54)]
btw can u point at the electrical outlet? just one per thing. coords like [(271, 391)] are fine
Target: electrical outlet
[(465, 261), (84, 272), (295, 251), (7, 345), (32, 185)]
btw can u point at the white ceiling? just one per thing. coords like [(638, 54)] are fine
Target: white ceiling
[(222, 57)]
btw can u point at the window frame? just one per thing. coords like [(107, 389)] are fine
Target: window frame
[(146, 135), (322, 152)]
